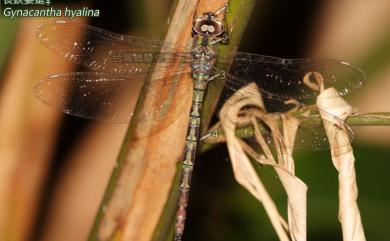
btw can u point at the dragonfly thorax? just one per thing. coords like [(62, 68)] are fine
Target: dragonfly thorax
[(203, 60)]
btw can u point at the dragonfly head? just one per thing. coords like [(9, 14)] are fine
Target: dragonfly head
[(208, 25)]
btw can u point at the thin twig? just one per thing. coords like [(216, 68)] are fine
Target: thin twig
[(367, 119)]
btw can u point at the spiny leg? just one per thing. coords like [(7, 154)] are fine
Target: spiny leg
[(226, 35)]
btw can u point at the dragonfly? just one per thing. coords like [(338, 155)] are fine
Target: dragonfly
[(120, 67)]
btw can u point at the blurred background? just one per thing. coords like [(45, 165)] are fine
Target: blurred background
[(54, 167)]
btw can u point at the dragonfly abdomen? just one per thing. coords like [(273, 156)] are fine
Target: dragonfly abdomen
[(189, 155)]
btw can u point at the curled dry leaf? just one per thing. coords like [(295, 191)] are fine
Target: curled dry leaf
[(283, 163), (343, 159)]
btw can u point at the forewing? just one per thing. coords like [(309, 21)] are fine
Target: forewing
[(282, 79), (104, 51)]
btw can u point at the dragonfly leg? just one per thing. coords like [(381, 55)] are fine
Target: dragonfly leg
[(226, 35), (221, 73), (222, 10)]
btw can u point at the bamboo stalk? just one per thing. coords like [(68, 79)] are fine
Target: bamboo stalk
[(81, 185), (28, 130), (140, 185), (8, 33)]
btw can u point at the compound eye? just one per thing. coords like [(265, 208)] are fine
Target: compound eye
[(211, 27), (207, 28), (204, 28)]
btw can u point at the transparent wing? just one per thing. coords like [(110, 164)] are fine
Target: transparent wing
[(104, 51), (279, 80), (282, 79), (306, 140), (310, 134), (110, 98)]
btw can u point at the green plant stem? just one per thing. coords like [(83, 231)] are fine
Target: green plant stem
[(8, 31), (237, 19), (368, 119)]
